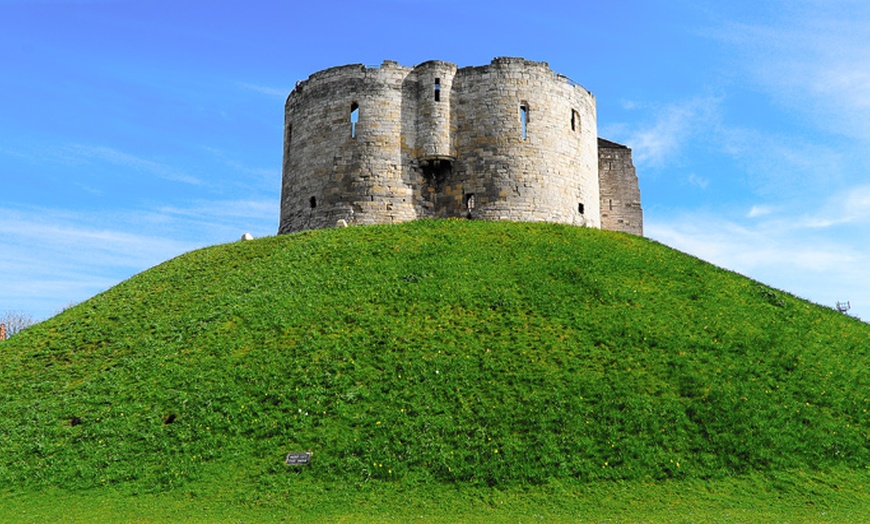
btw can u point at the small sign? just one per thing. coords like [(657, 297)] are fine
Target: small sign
[(298, 459)]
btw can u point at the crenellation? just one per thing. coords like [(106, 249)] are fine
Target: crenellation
[(509, 141)]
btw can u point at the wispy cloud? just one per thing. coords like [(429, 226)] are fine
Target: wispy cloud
[(63, 256), (269, 176), (813, 58), (812, 253), (663, 138), (698, 181), (79, 152), (768, 162), (781, 164), (227, 215), (850, 207), (277, 92)]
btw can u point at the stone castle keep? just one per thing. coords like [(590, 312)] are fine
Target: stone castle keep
[(508, 141)]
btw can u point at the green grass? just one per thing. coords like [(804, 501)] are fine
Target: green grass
[(838, 496), (544, 366)]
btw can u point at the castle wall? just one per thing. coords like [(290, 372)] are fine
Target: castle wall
[(620, 194), (508, 141)]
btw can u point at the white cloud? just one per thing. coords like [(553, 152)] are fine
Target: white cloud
[(759, 211)]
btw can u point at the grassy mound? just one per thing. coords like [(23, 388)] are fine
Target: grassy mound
[(460, 351)]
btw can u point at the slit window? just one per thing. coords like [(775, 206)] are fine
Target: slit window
[(469, 202), (287, 142), (580, 208), (354, 118), (524, 120), (575, 120), (312, 202), (437, 89)]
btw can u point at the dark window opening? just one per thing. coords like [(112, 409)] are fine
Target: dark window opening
[(312, 202), (580, 208), (524, 119), (287, 143), (354, 118), (575, 120), (437, 89), (610, 203), (435, 172)]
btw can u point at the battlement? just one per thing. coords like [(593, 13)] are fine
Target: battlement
[(511, 140)]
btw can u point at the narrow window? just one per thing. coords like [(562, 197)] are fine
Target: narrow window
[(354, 118), (575, 120), (580, 208), (524, 119), (610, 203), (289, 133), (437, 89), (312, 202), (469, 202)]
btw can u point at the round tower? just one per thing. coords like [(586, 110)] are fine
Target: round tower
[(434, 127), (527, 145), (343, 155)]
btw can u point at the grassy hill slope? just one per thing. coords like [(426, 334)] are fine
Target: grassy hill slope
[(487, 354)]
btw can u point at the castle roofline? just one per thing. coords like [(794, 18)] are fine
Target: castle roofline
[(607, 144), (499, 61)]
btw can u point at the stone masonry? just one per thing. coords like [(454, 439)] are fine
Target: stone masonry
[(508, 141), (620, 194)]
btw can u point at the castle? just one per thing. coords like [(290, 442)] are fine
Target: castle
[(508, 141)]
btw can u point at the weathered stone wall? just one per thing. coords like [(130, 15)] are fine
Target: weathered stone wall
[(338, 169), (508, 141), (547, 174), (620, 194)]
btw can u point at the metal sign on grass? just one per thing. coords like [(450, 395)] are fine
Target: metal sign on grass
[(298, 459)]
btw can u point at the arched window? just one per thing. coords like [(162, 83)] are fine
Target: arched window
[(354, 118), (524, 119)]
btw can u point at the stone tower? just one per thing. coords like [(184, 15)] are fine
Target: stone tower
[(508, 141)]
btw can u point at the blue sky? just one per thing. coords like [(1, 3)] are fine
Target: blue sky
[(132, 132)]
